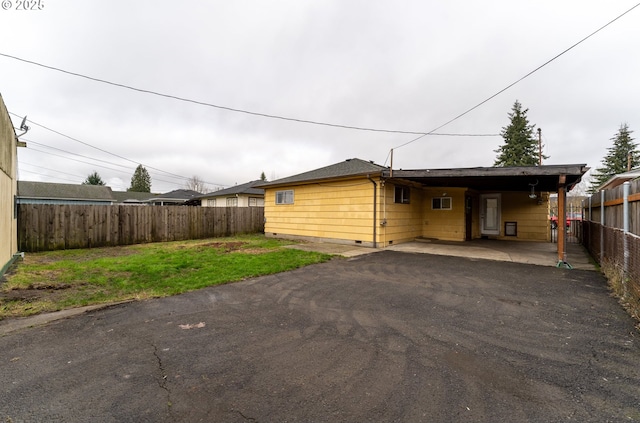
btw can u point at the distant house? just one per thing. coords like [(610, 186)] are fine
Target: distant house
[(132, 197), (8, 186), (173, 198), (53, 193), (244, 195), (360, 202)]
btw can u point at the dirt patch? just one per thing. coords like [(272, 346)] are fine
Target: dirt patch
[(226, 246), (34, 291)]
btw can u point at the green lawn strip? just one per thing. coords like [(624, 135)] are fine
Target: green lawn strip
[(58, 280)]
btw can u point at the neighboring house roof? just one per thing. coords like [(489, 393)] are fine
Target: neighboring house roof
[(349, 167), (515, 178), (132, 196), (66, 192), (178, 196), (620, 179), (246, 188)]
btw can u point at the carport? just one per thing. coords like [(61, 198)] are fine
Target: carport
[(527, 179)]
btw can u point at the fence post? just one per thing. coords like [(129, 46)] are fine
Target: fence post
[(625, 227), (601, 226)]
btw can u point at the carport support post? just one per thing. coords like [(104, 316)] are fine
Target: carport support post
[(562, 223)]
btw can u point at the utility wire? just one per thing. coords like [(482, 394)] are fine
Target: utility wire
[(231, 109), (184, 178), (53, 170), (520, 79), (100, 149), (93, 164), (48, 176)]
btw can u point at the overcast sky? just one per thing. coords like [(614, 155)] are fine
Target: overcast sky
[(394, 65)]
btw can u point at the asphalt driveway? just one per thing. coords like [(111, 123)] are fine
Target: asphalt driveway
[(388, 336)]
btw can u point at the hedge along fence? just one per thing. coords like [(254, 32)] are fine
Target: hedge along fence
[(45, 227)]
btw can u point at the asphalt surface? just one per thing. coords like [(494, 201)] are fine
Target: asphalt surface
[(382, 337)]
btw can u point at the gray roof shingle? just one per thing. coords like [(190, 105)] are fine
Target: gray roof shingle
[(246, 188), (51, 191), (349, 167)]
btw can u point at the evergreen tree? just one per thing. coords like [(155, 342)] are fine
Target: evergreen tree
[(263, 177), (93, 179), (520, 147), (623, 153), (140, 181)]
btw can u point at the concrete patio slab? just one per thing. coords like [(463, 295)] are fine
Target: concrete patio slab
[(538, 253)]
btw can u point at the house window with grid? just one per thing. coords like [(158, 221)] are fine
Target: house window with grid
[(402, 195), (441, 203), (232, 202), (211, 202), (253, 202), (284, 197)]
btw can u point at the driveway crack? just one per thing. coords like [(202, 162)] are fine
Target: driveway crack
[(247, 418), (162, 380)]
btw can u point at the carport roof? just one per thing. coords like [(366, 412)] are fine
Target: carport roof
[(516, 178)]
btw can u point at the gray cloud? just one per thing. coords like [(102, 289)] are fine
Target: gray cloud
[(407, 66)]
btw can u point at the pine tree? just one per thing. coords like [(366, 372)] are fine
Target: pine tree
[(140, 181), (93, 179), (623, 153), (520, 147), (263, 177)]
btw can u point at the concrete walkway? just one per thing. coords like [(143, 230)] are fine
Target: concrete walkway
[(538, 253)]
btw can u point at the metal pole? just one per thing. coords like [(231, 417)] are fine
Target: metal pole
[(540, 145), (601, 226), (625, 225)]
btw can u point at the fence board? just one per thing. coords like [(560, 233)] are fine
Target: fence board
[(44, 227)]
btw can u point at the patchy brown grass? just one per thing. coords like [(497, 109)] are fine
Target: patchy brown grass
[(56, 280)]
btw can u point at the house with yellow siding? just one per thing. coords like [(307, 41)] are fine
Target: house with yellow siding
[(363, 203), (8, 187)]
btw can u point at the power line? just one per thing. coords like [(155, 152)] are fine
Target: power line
[(77, 154), (92, 164), (520, 79), (53, 170), (100, 149), (184, 178), (232, 109), (48, 176)]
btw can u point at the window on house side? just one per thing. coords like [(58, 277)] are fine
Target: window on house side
[(232, 202), (211, 202), (441, 203), (402, 195), (253, 201), (284, 197)]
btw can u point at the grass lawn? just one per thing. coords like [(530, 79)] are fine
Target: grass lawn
[(52, 281)]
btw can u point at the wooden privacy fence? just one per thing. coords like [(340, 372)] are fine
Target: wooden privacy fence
[(45, 227), (611, 233), (608, 207)]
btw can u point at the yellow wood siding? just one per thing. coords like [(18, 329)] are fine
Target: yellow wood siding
[(342, 211), (8, 186), (403, 221), (448, 225), (338, 210), (531, 216)]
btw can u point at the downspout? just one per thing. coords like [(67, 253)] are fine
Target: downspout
[(375, 201)]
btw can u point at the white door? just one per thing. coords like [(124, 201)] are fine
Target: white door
[(490, 214)]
